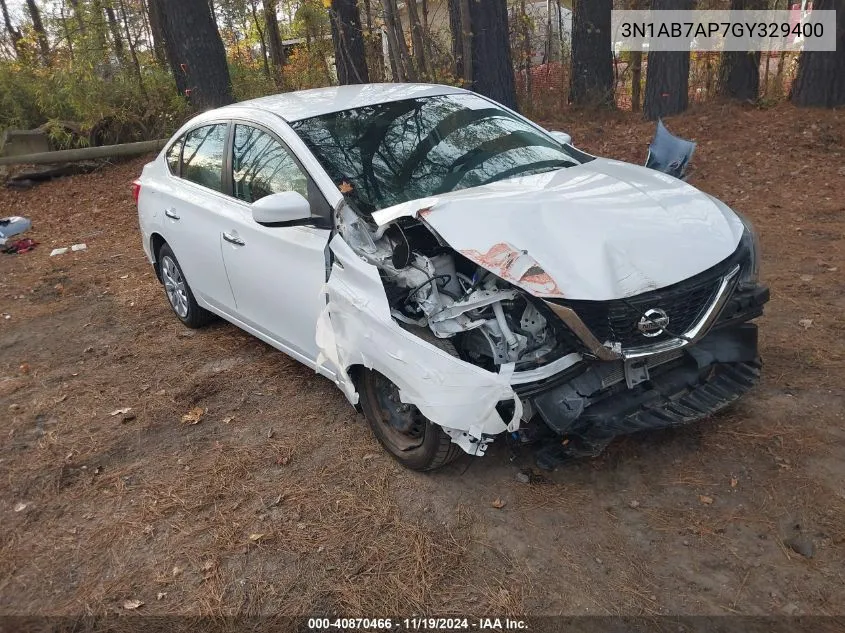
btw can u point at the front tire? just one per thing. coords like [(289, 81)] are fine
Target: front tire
[(178, 292), (409, 437)]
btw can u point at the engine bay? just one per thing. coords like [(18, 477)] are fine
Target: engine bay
[(471, 312)]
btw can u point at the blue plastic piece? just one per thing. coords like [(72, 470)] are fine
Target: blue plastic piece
[(668, 153), (13, 226)]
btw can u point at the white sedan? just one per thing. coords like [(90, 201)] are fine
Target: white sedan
[(459, 272)]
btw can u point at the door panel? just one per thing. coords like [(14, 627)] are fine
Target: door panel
[(276, 273), (195, 212)]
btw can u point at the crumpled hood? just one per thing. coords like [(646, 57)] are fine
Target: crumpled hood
[(599, 231)]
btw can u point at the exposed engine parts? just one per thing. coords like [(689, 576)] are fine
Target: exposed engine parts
[(491, 323)]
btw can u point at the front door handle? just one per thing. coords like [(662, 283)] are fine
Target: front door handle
[(233, 239), (171, 213)]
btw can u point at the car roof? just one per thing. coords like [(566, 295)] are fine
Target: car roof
[(304, 104)]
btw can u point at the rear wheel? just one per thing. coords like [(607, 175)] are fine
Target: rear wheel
[(178, 292), (413, 440)]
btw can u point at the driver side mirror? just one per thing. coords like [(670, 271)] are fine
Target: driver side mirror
[(561, 137), (288, 208)]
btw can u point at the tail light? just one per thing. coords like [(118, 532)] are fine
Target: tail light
[(136, 190)]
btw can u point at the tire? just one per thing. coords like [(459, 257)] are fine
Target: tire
[(178, 292), (410, 438)]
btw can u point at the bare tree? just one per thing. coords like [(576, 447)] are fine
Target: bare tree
[(484, 26), (350, 57), (591, 81), (667, 81), (400, 57), (38, 27), (195, 52), (274, 40), (14, 34), (739, 71), (821, 74)]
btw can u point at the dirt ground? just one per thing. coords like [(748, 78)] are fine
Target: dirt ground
[(280, 500)]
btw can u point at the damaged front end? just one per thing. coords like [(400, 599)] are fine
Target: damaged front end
[(483, 343)]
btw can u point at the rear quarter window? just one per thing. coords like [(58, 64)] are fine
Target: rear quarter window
[(174, 156)]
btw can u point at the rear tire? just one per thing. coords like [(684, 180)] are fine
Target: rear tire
[(409, 437), (178, 292)]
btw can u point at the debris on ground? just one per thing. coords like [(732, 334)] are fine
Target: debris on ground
[(193, 416), (131, 605), (498, 503), (19, 247)]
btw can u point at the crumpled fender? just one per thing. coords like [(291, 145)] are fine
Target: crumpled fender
[(356, 328)]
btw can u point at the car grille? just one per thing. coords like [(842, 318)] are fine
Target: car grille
[(685, 304)]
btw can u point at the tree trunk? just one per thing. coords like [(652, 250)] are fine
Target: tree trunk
[(821, 75), (195, 52), (40, 33), (636, 79), (115, 31), (396, 42), (132, 50), (262, 40), (349, 54), (14, 34), (274, 40), (156, 32), (591, 81), (739, 71), (492, 68), (667, 80), (417, 38), (456, 27), (373, 46)]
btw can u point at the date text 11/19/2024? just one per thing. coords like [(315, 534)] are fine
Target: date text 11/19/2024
[(417, 624)]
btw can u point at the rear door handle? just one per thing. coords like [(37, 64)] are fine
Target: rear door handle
[(233, 239), (171, 213)]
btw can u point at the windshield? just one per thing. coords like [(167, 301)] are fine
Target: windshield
[(384, 154)]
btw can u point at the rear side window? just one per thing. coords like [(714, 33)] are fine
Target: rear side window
[(263, 166), (174, 156), (204, 154)]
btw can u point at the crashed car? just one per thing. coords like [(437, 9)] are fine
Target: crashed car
[(459, 272)]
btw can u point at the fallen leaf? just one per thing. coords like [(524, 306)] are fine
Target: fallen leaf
[(228, 419), (177, 571), (193, 416), (498, 503), (805, 323), (734, 482), (345, 187), (21, 506), (705, 500), (132, 604), (120, 411), (256, 537), (161, 594), (24, 368)]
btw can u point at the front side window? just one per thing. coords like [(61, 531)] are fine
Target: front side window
[(203, 155), (262, 166), (388, 153)]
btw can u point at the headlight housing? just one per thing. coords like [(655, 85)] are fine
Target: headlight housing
[(749, 276)]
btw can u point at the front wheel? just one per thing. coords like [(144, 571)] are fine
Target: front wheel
[(413, 440)]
